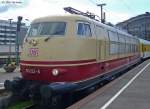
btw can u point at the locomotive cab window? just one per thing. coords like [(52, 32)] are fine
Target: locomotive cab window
[(47, 28), (84, 30), (33, 29)]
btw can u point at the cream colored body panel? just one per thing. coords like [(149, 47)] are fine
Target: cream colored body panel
[(65, 48), (60, 49), (70, 47)]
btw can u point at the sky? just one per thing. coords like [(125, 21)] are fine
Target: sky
[(116, 10)]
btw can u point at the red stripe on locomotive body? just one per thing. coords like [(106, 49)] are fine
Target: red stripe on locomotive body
[(73, 73)]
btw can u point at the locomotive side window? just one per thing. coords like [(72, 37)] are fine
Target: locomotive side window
[(84, 30), (80, 29), (99, 31), (47, 28), (113, 37), (87, 30)]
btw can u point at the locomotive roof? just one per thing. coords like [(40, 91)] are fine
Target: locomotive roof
[(60, 17), (74, 17)]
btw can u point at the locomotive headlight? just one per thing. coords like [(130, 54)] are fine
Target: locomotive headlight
[(55, 72)]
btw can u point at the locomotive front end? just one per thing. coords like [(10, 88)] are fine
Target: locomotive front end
[(42, 50), (43, 64), (53, 51), (47, 50)]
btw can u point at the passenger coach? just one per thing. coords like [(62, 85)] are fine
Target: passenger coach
[(144, 48)]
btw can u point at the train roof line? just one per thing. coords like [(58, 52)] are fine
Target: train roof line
[(111, 28), (93, 17)]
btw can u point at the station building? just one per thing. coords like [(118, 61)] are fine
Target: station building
[(8, 38), (138, 26)]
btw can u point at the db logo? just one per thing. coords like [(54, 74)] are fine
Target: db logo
[(33, 52)]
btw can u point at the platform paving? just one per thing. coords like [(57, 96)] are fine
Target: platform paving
[(122, 93)]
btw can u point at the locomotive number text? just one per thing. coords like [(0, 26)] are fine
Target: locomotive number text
[(32, 71)]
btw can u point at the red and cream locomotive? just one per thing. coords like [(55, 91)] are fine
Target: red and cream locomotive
[(72, 52)]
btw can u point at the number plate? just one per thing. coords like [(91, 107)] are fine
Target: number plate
[(33, 52), (32, 70)]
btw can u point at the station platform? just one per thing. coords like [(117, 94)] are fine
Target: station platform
[(130, 91)]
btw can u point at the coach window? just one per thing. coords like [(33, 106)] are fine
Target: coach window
[(122, 44), (133, 45), (84, 30), (127, 44)]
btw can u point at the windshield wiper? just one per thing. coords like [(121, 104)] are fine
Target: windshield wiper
[(47, 38)]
